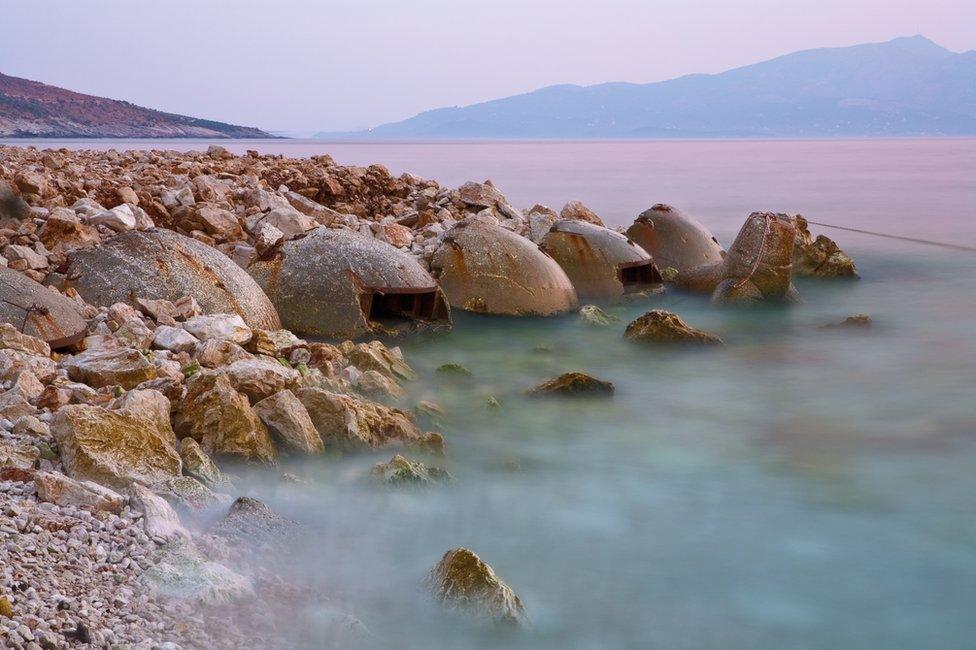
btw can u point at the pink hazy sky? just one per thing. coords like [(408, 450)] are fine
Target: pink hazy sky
[(301, 65)]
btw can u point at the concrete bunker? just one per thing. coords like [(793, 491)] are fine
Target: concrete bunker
[(600, 262), (341, 284), (485, 268), (675, 239), (162, 264)]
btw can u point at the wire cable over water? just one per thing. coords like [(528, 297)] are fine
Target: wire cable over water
[(928, 242)]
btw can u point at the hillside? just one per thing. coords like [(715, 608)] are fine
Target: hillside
[(904, 87), (32, 109)]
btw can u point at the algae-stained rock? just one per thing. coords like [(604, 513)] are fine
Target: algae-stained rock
[(197, 464), (484, 268), (114, 447), (658, 326), (126, 367), (675, 239), (288, 421), (574, 384), (163, 265), (857, 321), (183, 573), (595, 317), (401, 470), (600, 263), (820, 257), (158, 517), (759, 264), (376, 356), (342, 284), (39, 311), (349, 423), (461, 580), (222, 420)]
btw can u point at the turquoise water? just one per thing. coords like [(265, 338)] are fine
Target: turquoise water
[(797, 488)]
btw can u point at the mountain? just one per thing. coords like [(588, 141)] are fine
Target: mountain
[(908, 86), (32, 109)]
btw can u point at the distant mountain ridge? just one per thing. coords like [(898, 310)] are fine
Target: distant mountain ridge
[(32, 109), (908, 86)]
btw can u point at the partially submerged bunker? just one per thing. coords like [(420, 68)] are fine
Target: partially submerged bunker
[(162, 264), (341, 284), (39, 311), (484, 268), (675, 239), (759, 265), (600, 262)]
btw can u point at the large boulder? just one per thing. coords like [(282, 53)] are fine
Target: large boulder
[(659, 326), (462, 581), (222, 420), (125, 367), (39, 311), (56, 488), (349, 423), (485, 268), (600, 262), (759, 265), (342, 284), (261, 377), (289, 422), (163, 265), (114, 448)]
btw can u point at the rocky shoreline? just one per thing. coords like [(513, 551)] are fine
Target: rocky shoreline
[(153, 339)]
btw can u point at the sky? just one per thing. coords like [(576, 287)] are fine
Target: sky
[(300, 66)]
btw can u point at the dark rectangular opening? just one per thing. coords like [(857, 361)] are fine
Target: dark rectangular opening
[(425, 305), (633, 276)]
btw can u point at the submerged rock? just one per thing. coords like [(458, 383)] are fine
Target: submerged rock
[(600, 262), (596, 317), (572, 384), (485, 268), (350, 423), (461, 580), (453, 369), (675, 240), (857, 321), (759, 264), (342, 284), (197, 464), (820, 257), (163, 265), (251, 523), (400, 470), (181, 572), (659, 326), (158, 517)]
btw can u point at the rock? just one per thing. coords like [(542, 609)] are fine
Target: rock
[(114, 447), (759, 264), (175, 339), (453, 369), (127, 195), (6, 610), (659, 326), (16, 455), (60, 490), (183, 573), (39, 311), (150, 404), (289, 221), (216, 353), (856, 321), (576, 211), (376, 356), (158, 517), (125, 367), (24, 257), (223, 327), (273, 343), (461, 580), (135, 334), (289, 422), (260, 377), (596, 317), (14, 362), (266, 237), (376, 385), (120, 219), (572, 384), (820, 257), (197, 463), (222, 420), (480, 195), (349, 423), (63, 231), (396, 235), (12, 339), (250, 522), (189, 493), (401, 470), (217, 222), (541, 218)]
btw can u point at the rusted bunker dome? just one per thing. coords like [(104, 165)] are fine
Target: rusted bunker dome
[(484, 268), (39, 311), (759, 265), (342, 284), (675, 239), (600, 263), (161, 264)]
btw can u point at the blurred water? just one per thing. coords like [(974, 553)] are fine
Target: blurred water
[(799, 488)]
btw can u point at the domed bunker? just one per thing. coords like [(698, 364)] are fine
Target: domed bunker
[(161, 264), (342, 284), (759, 265), (39, 311), (484, 268), (600, 263), (675, 239)]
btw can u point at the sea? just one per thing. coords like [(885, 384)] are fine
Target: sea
[(799, 487)]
